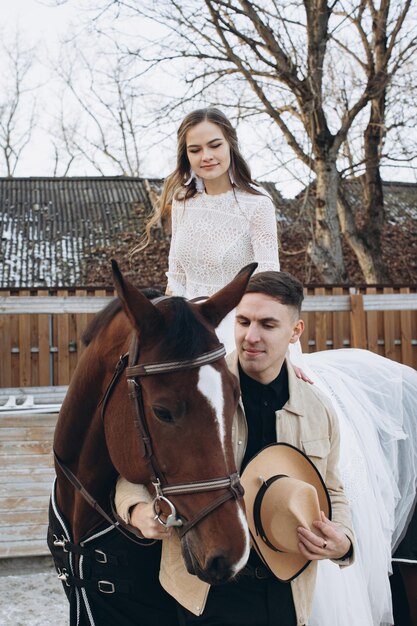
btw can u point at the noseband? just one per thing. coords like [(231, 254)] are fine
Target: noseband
[(230, 483)]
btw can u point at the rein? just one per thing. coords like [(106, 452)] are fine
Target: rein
[(134, 371)]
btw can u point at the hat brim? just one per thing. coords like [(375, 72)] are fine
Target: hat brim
[(281, 459)]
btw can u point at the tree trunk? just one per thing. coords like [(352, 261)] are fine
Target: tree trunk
[(367, 241), (325, 249)]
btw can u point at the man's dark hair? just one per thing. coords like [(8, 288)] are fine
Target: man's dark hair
[(279, 285)]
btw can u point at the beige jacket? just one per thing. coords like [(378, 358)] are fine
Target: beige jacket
[(308, 422)]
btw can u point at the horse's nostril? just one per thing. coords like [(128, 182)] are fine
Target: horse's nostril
[(219, 569)]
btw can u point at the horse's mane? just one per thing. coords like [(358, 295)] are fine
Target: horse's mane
[(104, 317), (185, 337)]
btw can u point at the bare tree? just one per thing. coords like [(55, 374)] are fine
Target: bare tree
[(383, 60), (102, 123), (17, 104), (276, 59)]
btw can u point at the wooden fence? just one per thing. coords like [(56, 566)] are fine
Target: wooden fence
[(40, 343), (40, 330)]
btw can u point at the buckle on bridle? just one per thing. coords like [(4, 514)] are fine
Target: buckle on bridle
[(172, 519)]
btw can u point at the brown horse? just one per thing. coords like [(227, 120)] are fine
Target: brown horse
[(167, 425)]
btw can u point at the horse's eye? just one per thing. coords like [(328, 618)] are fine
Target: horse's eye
[(162, 414)]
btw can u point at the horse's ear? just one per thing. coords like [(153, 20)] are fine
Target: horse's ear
[(222, 302), (142, 314)]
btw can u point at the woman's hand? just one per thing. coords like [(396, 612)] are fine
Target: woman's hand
[(300, 374), (143, 517)]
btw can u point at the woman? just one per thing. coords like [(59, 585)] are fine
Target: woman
[(221, 220)]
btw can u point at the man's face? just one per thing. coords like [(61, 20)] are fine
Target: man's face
[(263, 330)]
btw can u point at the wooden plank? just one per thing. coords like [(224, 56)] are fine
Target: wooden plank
[(390, 301), (389, 330), (25, 379), (24, 548), (26, 460), (34, 350), (27, 475), (23, 503), (406, 334), (358, 321), (20, 305), (45, 375), (72, 343), (19, 533), (25, 447), (62, 341), (31, 433), (15, 347), (5, 351), (81, 323), (20, 518), (11, 420), (338, 324), (372, 326), (21, 489), (321, 325), (308, 338)]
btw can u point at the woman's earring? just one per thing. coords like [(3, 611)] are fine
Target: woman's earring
[(199, 183)]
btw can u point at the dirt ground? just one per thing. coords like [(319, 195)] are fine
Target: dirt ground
[(31, 594)]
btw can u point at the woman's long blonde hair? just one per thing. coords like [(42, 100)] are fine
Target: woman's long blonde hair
[(174, 186)]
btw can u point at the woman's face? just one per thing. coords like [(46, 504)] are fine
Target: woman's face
[(208, 153)]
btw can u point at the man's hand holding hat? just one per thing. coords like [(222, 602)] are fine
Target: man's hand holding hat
[(332, 544)]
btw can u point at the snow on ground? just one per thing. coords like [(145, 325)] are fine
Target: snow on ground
[(31, 594)]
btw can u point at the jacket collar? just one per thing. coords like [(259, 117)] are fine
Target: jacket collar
[(296, 403)]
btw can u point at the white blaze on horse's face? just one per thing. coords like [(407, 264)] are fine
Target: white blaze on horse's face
[(242, 562), (210, 385)]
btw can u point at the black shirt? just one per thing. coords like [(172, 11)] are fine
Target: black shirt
[(260, 403)]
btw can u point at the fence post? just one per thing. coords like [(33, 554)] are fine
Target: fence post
[(358, 321)]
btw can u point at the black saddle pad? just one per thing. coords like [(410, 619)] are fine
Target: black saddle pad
[(113, 582)]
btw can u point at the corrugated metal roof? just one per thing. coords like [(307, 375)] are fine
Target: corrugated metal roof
[(55, 231), (49, 226)]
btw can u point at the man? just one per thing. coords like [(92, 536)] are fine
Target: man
[(275, 406)]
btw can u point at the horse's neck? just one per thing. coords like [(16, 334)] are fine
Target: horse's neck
[(80, 444)]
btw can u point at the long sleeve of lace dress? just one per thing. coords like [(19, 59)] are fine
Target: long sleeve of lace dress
[(263, 233), (176, 273)]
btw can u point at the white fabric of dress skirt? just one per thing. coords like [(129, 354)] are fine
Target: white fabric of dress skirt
[(376, 402)]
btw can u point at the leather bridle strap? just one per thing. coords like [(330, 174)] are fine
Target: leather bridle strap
[(120, 524), (235, 491), (149, 369), (162, 490)]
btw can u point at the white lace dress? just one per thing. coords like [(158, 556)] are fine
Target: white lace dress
[(213, 237)]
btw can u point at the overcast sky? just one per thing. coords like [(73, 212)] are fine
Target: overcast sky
[(41, 24), (45, 25)]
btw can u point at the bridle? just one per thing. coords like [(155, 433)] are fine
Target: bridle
[(134, 372), (230, 483)]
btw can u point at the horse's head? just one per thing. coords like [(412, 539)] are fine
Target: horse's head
[(187, 406)]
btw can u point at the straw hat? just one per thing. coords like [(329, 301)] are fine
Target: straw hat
[(283, 490)]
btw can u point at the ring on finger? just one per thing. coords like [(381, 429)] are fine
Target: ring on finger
[(324, 546)]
